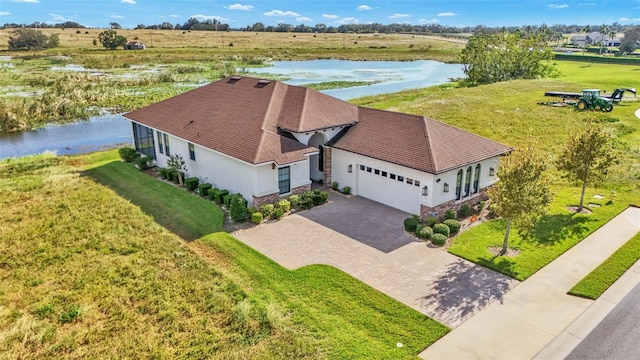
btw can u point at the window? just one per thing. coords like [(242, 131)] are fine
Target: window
[(416, 183), (362, 167), (467, 182), (409, 181), (166, 145), (400, 178), (160, 146), (143, 140), (192, 152), (384, 174), (476, 179), (321, 159), (392, 176), (368, 169), (376, 171), (459, 185), (284, 180)]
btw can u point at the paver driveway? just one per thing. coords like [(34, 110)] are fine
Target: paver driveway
[(432, 281)]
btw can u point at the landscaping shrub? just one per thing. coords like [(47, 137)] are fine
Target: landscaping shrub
[(432, 220), (203, 189), (267, 210), (294, 200), (191, 183), (317, 197), (238, 207), (424, 232), (346, 190), (454, 225), (128, 154), (226, 199), (163, 173), (171, 175), (335, 186), (257, 217), (450, 214), (277, 213), (285, 205), (465, 211), (438, 239), (251, 210), (219, 199), (306, 203), (212, 193), (142, 162), (410, 224), (441, 229)]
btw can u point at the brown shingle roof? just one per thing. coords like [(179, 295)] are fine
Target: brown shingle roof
[(241, 117), (416, 142)]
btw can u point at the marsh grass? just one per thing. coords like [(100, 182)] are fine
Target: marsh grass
[(87, 273)]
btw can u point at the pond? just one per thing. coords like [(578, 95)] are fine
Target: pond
[(389, 76), (111, 130)]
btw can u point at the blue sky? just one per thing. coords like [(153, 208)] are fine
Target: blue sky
[(129, 13)]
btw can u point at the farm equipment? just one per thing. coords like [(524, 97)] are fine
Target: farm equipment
[(589, 99), (616, 95)]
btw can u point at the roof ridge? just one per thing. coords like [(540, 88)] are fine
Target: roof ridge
[(265, 119), (431, 150)]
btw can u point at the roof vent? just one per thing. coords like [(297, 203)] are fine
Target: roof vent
[(236, 77), (263, 83)]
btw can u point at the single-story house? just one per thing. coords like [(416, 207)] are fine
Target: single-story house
[(595, 38), (266, 139), (135, 45)]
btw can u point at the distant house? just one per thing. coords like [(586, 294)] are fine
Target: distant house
[(265, 139), (595, 38), (135, 45)]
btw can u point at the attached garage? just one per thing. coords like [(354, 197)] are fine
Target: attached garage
[(395, 190)]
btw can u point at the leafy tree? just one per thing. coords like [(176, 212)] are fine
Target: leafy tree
[(30, 39), (522, 195), (503, 56), (115, 25), (111, 40), (631, 39), (177, 163), (587, 30), (587, 156)]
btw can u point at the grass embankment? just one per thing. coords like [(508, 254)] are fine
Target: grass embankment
[(602, 277), (508, 112), (87, 274)]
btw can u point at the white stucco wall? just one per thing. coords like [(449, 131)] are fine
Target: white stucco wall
[(328, 133), (450, 178)]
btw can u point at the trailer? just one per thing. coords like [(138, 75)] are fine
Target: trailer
[(589, 99)]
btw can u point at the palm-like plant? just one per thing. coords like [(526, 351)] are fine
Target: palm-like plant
[(587, 30), (604, 30)]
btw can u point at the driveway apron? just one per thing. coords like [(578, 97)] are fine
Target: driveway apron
[(430, 280)]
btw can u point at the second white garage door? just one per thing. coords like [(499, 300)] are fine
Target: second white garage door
[(388, 188)]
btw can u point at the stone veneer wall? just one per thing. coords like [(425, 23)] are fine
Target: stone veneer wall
[(327, 166), (426, 211), (273, 198)]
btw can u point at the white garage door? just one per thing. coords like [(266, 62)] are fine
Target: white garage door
[(389, 188)]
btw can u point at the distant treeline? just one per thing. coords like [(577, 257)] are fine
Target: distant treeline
[(215, 25)]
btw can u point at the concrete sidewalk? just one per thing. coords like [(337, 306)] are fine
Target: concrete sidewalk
[(538, 318)]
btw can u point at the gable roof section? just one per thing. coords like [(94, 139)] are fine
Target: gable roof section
[(309, 110), (416, 142), (237, 116)]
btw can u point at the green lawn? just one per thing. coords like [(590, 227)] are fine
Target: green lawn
[(599, 280), (86, 273)]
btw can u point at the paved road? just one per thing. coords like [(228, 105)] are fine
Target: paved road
[(616, 337)]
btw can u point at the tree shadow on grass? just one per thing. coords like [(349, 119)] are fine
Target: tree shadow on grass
[(463, 289), (551, 229)]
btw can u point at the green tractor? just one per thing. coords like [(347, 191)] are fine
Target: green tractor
[(592, 100)]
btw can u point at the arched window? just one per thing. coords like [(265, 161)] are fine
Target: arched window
[(476, 179), (467, 182), (459, 185)]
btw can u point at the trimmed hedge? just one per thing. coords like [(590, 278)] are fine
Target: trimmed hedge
[(424, 232), (164, 173), (454, 225), (438, 239), (203, 189), (277, 213), (294, 200), (450, 214), (238, 207), (219, 198), (267, 210), (335, 186), (211, 193), (346, 190), (257, 217), (142, 162), (128, 154), (441, 229), (191, 183), (465, 211), (284, 204), (410, 224), (432, 220)]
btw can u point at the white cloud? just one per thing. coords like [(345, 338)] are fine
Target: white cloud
[(363, 7), (281, 13), (240, 7), (448, 13), (57, 17), (209, 17), (347, 20), (557, 6), (425, 21), (330, 16), (117, 16), (303, 19), (27, 1), (587, 4), (128, 1), (399, 16), (625, 19), (4, 13), (173, 16)]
